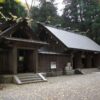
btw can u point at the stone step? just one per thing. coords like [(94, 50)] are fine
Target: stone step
[(29, 78), (35, 81), (27, 74)]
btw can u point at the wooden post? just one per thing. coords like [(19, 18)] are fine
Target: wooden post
[(71, 59), (35, 61), (13, 60), (30, 60)]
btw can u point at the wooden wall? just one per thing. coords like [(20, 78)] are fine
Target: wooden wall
[(4, 62), (45, 63), (89, 60), (96, 60), (54, 44)]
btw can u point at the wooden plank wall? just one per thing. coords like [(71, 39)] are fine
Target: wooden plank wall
[(4, 63), (45, 62)]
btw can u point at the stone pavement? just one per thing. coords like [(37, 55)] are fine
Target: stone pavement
[(75, 87)]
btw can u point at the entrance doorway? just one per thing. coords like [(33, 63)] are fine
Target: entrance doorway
[(24, 61)]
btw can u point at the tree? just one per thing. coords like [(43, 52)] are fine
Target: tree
[(83, 15), (13, 7), (46, 12)]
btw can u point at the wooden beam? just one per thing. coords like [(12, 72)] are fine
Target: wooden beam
[(10, 30), (4, 25)]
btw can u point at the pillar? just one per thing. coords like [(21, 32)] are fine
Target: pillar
[(35, 61), (13, 60), (30, 61), (71, 59)]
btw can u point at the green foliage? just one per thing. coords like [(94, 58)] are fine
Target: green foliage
[(46, 12), (11, 6), (83, 15), (2, 1)]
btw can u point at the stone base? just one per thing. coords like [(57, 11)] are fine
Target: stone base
[(54, 73), (6, 78), (69, 72)]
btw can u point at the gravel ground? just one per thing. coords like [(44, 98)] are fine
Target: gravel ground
[(75, 87)]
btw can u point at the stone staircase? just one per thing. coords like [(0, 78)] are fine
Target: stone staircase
[(29, 78)]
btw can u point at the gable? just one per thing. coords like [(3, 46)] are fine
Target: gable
[(19, 35), (18, 30), (72, 40), (4, 25), (54, 43)]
